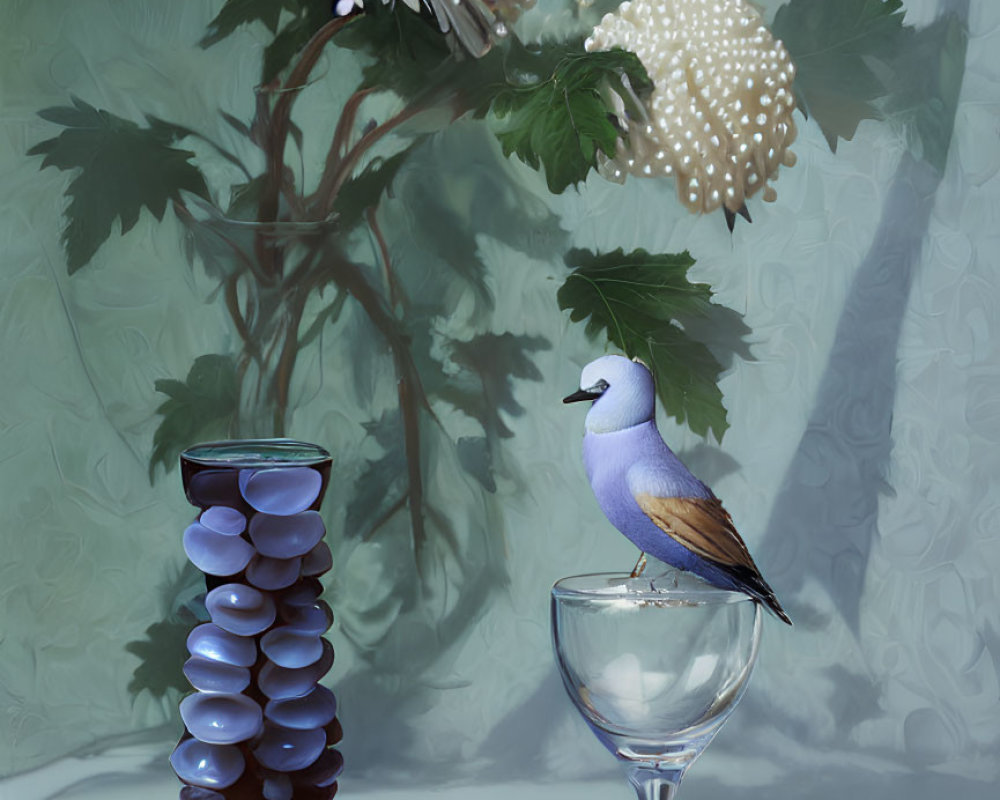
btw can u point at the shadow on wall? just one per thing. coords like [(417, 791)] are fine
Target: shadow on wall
[(825, 517), (826, 513)]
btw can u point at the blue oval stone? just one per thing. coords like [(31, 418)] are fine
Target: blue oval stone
[(282, 491), (212, 766)]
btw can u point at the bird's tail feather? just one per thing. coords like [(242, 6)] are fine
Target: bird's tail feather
[(754, 585), (775, 608)]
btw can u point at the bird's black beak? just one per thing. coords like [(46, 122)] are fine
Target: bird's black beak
[(582, 394)]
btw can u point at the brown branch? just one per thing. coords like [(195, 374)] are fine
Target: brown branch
[(233, 305), (261, 120), (338, 145), (331, 181), (390, 277), (411, 444), (266, 360), (241, 371), (277, 136), (286, 363), (298, 288), (408, 409), (250, 312), (349, 277)]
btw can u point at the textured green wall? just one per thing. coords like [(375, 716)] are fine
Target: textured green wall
[(87, 542)]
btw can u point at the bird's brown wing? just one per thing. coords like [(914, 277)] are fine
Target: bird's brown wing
[(701, 525)]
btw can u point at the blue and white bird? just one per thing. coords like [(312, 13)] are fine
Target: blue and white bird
[(647, 492)]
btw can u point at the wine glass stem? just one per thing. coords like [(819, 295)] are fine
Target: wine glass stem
[(655, 784)]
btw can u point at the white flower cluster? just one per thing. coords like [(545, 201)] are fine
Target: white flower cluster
[(720, 116)]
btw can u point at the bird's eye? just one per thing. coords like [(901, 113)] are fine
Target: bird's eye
[(601, 386)]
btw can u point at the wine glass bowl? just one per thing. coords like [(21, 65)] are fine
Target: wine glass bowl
[(654, 666)]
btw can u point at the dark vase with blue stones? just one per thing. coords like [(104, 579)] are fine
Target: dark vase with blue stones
[(259, 724)]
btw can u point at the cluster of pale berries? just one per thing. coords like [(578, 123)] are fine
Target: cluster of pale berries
[(720, 115)]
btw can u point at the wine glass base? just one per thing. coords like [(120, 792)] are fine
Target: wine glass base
[(655, 784)]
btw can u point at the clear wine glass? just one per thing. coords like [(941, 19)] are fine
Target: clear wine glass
[(655, 666)]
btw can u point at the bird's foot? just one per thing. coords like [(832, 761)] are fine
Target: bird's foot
[(640, 565)]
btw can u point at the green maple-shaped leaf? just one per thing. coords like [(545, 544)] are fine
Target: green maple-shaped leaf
[(241, 12), (489, 364), (309, 17), (198, 409), (245, 197), (840, 49), (476, 457), (449, 237), (552, 100), (306, 17), (162, 654), (927, 80), (382, 482), (560, 121), (643, 303), (120, 168), (365, 190)]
